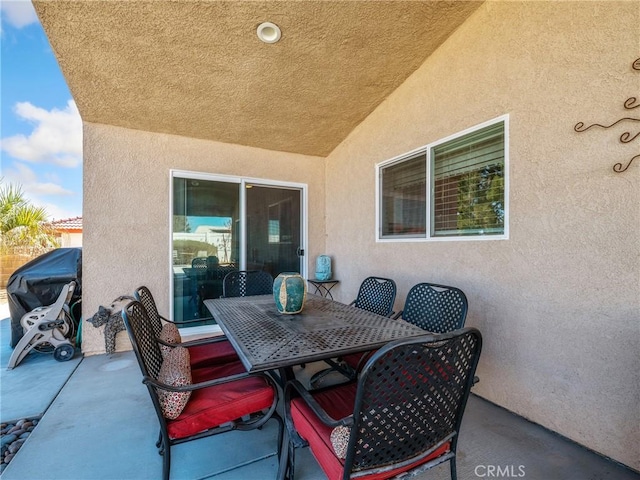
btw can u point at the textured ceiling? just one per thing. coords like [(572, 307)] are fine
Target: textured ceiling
[(197, 68)]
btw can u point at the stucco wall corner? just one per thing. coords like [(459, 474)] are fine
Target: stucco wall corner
[(557, 303)]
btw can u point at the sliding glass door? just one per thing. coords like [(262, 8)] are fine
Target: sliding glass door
[(273, 229), (222, 224), (205, 240)]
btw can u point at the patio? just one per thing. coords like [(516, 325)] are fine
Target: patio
[(386, 85), (98, 423), (183, 97)]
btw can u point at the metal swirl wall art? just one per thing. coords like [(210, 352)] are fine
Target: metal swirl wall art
[(626, 137)]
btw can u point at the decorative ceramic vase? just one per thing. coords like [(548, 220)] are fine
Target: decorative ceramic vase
[(289, 292), (323, 267)]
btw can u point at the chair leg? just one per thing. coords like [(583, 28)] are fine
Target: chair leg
[(281, 439), (291, 461), (283, 445), (166, 463), (164, 449), (335, 366), (452, 464)]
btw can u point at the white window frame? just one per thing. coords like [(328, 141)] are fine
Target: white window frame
[(243, 182), (426, 150)]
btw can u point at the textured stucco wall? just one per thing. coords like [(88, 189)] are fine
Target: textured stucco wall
[(126, 208), (558, 303)]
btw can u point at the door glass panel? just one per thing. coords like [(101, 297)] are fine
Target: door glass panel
[(273, 229), (206, 242)]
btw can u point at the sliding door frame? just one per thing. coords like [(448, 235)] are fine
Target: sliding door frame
[(242, 183)]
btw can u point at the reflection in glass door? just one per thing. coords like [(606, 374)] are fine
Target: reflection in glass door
[(222, 224), (273, 241), (205, 242)]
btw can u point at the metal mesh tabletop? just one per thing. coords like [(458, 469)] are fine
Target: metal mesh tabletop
[(266, 339)]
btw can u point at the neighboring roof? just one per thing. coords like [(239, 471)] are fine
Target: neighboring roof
[(197, 68), (69, 225)]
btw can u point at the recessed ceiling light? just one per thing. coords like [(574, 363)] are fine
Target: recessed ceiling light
[(269, 32)]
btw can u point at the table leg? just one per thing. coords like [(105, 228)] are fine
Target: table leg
[(282, 375), (283, 465), (328, 294), (322, 290)]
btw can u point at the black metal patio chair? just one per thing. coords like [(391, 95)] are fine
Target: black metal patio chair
[(245, 283), (377, 295), (435, 308), (203, 352), (199, 402), (197, 278), (402, 415), (208, 277), (430, 306)]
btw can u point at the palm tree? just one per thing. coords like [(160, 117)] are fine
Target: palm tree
[(23, 227)]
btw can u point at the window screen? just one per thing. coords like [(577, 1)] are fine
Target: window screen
[(468, 184), (403, 198)]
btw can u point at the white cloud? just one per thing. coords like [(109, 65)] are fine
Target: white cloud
[(48, 189), (56, 137), (20, 174), (56, 212), (18, 13), (25, 177)]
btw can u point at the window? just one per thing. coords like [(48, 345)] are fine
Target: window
[(404, 197), (454, 188), (467, 182)]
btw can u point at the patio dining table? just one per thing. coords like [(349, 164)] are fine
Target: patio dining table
[(266, 339)]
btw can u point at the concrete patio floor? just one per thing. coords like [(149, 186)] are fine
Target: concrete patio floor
[(99, 423)]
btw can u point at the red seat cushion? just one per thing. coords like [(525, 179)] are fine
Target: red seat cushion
[(338, 403), (213, 406), (353, 359), (209, 354)]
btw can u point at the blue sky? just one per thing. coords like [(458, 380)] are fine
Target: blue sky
[(40, 129)]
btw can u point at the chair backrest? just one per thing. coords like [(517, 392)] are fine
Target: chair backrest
[(410, 400), (245, 283), (199, 263), (143, 339), (143, 295), (376, 295), (219, 271), (435, 308)]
